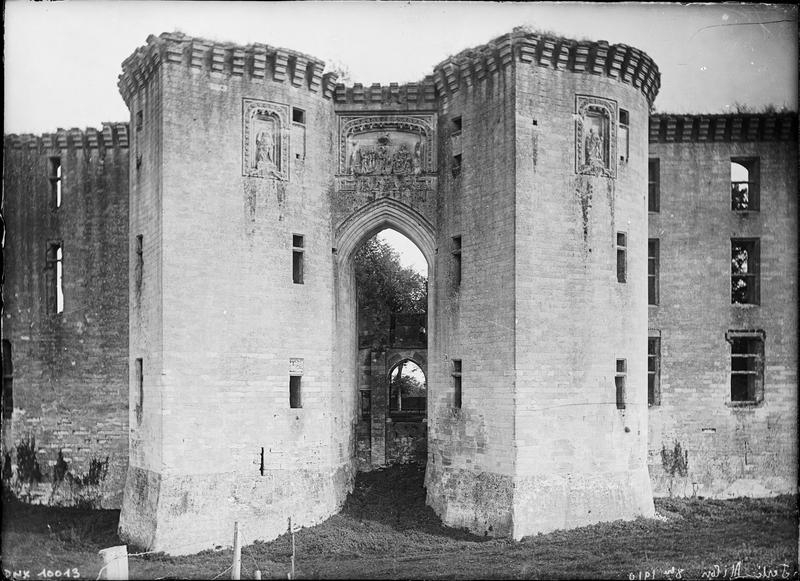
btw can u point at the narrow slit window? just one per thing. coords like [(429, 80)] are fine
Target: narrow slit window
[(622, 256), (299, 133), (619, 382), (747, 368), (624, 140), (139, 120), (8, 381), (55, 182), (457, 383), (745, 271), (298, 251), (744, 184), (55, 278), (652, 271), (139, 389), (456, 254), (654, 185), (653, 371), (295, 393), (139, 260)]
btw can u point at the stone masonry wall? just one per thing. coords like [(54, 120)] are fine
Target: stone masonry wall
[(732, 450), (69, 369)]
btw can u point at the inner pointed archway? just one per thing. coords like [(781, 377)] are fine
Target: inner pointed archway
[(382, 315)]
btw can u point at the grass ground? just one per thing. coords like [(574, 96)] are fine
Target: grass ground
[(386, 531)]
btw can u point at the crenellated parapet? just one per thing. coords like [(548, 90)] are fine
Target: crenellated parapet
[(619, 61), (112, 135), (726, 127), (419, 95), (255, 61)]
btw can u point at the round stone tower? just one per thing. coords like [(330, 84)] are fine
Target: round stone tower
[(232, 412), (543, 187)]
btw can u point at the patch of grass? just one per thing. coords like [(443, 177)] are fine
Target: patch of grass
[(386, 531)]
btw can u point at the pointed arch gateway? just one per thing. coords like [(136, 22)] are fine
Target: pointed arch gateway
[(349, 236)]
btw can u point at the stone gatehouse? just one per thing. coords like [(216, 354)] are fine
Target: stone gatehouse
[(248, 177)]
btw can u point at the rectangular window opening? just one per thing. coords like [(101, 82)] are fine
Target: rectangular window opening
[(654, 371), (297, 258), (745, 184), (295, 395), (652, 271), (55, 278), (8, 381), (139, 120), (622, 249), (747, 368), (654, 185), (55, 182), (457, 125), (139, 260), (745, 280), (139, 388), (298, 115), (457, 383), (456, 254), (624, 139), (456, 169), (619, 382)]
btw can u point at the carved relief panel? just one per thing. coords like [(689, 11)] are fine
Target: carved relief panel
[(595, 136), (386, 156), (265, 136)]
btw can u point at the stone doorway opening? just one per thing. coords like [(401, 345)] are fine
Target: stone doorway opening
[(391, 276)]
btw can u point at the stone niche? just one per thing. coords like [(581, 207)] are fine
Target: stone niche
[(265, 135), (596, 136), (386, 156)]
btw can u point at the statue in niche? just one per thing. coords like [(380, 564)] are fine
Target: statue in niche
[(594, 149), (355, 158), (265, 151), (416, 161)]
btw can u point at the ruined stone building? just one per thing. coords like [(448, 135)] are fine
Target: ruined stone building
[(607, 319)]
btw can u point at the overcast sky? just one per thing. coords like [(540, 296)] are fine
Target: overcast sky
[(62, 59)]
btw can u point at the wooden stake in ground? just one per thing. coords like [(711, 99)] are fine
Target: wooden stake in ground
[(115, 563), (236, 568)]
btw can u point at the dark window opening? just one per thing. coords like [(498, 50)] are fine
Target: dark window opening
[(456, 254), (653, 371), (139, 260), (745, 184), (456, 125), (654, 185), (747, 369), (140, 389), (295, 399), (139, 120), (55, 182), (652, 271), (624, 139), (54, 278), (619, 382), (622, 249), (457, 383), (297, 258), (8, 381), (456, 169), (298, 115), (408, 393), (745, 271), (366, 403)]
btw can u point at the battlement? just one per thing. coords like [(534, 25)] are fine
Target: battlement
[(257, 61), (619, 61), (422, 94), (725, 127), (112, 135)]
